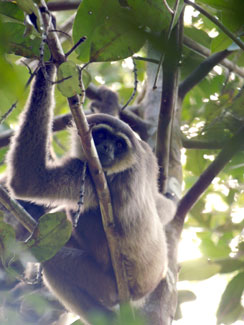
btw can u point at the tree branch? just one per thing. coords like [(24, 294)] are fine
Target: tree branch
[(161, 304), (205, 52), (94, 165), (5, 137), (17, 210), (63, 5), (167, 108), (200, 72), (200, 144), (229, 150)]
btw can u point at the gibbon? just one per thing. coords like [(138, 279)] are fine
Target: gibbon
[(82, 276)]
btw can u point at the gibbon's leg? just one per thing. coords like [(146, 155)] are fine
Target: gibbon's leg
[(78, 281)]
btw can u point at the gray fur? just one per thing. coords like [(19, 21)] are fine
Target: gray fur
[(82, 276)]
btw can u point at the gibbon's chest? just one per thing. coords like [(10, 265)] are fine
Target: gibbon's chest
[(92, 238)]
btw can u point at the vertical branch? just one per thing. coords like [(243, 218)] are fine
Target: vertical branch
[(167, 107), (102, 189), (161, 305), (94, 165), (172, 23)]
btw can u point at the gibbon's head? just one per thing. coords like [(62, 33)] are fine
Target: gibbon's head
[(117, 145)]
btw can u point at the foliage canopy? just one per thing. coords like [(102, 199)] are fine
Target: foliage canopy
[(210, 91)]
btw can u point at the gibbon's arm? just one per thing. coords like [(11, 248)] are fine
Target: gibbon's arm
[(31, 175)]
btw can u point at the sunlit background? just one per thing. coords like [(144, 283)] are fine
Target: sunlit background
[(201, 311)]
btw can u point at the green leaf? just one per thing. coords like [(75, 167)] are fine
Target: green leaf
[(230, 307), (115, 30), (28, 6), (77, 322), (186, 295), (230, 265), (10, 251), (52, 232), (11, 10), (7, 240), (220, 43), (28, 46), (129, 316), (35, 303), (221, 4), (144, 10), (113, 41), (197, 35), (86, 78), (230, 12), (197, 270), (111, 31), (214, 250), (235, 167), (68, 75), (196, 162), (12, 82)]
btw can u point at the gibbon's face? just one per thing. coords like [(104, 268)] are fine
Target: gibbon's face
[(111, 146)]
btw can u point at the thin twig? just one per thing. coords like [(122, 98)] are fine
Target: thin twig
[(27, 66), (81, 40), (60, 31), (168, 7), (81, 196), (140, 58), (56, 82), (9, 111), (135, 85)]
